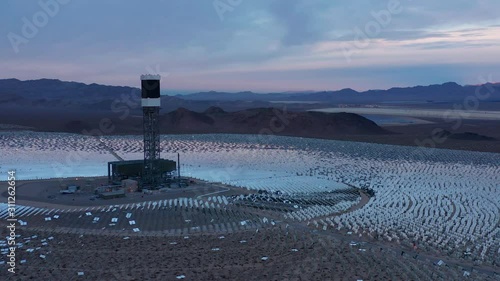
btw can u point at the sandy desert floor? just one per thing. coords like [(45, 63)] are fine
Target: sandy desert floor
[(46, 193), (270, 254)]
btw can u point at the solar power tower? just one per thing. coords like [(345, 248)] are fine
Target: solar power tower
[(150, 85)]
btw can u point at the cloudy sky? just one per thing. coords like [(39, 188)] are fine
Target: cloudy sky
[(259, 45)]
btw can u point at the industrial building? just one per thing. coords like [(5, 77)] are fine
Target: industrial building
[(119, 193), (120, 170)]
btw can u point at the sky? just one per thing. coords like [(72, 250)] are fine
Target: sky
[(252, 45)]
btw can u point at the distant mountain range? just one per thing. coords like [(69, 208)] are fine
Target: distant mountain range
[(52, 93), (53, 105), (447, 92)]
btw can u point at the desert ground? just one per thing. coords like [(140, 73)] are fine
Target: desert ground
[(182, 240), (412, 112), (270, 254), (46, 193)]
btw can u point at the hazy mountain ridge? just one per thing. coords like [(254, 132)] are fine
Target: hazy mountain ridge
[(52, 92), (75, 107), (447, 92)]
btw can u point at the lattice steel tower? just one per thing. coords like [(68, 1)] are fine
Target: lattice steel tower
[(150, 101)]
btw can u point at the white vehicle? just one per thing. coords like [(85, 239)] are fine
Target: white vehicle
[(70, 190)]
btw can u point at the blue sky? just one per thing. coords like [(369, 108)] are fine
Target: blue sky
[(259, 45)]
